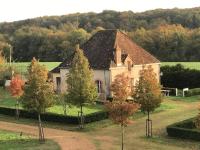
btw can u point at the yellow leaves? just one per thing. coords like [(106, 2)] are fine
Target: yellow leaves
[(37, 71), (2, 59), (147, 90)]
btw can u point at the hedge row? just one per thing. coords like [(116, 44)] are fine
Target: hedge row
[(180, 77), (185, 130), (51, 117), (192, 92)]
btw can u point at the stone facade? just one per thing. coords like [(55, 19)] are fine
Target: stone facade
[(109, 52), (104, 78)]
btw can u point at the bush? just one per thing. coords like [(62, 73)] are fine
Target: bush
[(2, 83), (185, 129), (180, 77), (51, 117), (192, 92)]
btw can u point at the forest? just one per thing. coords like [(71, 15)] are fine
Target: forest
[(169, 34)]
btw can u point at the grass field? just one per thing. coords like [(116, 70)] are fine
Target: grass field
[(13, 141), (191, 65), (7, 101), (22, 66)]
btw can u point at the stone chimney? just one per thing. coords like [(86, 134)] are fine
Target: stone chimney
[(118, 54)]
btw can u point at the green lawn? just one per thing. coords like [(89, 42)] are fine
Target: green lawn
[(13, 141), (172, 111), (195, 98), (22, 66), (105, 135), (7, 101), (191, 65)]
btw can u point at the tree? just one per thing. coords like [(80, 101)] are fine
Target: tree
[(148, 94), (38, 93), (2, 62), (120, 109), (16, 90), (81, 87)]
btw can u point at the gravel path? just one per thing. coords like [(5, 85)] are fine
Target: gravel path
[(66, 139)]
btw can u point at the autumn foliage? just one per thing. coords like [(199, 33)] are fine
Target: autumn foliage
[(16, 86), (148, 91), (120, 109), (148, 94), (121, 88), (120, 112)]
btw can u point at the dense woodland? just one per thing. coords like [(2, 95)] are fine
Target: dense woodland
[(169, 34)]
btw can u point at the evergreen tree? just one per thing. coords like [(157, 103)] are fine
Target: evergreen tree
[(81, 87), (38, 93)]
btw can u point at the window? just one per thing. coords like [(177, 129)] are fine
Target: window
[(99, 86), (58, 81)]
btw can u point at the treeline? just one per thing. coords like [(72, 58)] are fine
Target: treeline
[(169, 34), (170, 42)]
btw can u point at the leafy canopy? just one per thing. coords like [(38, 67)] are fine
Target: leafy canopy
[(120, 109), (16, 86), (81, 87), (147, 91), (38, 94)]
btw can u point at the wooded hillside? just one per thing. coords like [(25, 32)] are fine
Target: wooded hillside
[(169, 34)]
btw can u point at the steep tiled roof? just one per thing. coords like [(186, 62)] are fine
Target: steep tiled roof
[(137, 53), (100, 49), (65, 64)]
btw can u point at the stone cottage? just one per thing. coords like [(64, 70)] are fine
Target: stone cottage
[(109, 52)]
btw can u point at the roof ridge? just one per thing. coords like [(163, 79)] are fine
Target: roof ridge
[(133, 42)]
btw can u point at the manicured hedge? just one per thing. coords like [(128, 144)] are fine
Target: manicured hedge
[(184, 129), (192, 92), (180, 77), (51, 117)]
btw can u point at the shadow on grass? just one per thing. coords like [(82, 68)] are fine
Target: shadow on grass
[(163, 139)]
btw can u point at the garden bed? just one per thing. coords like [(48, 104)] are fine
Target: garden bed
[(185, 130), (92, 112)]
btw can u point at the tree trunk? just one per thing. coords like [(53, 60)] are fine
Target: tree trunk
[(81, 118), (148, 125), (41, 132), (65, 109), (17, 110), (122, 130)]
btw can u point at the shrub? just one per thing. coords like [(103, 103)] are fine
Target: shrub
[(51, 117), (180, 77), (192, 92), (185, 129)]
